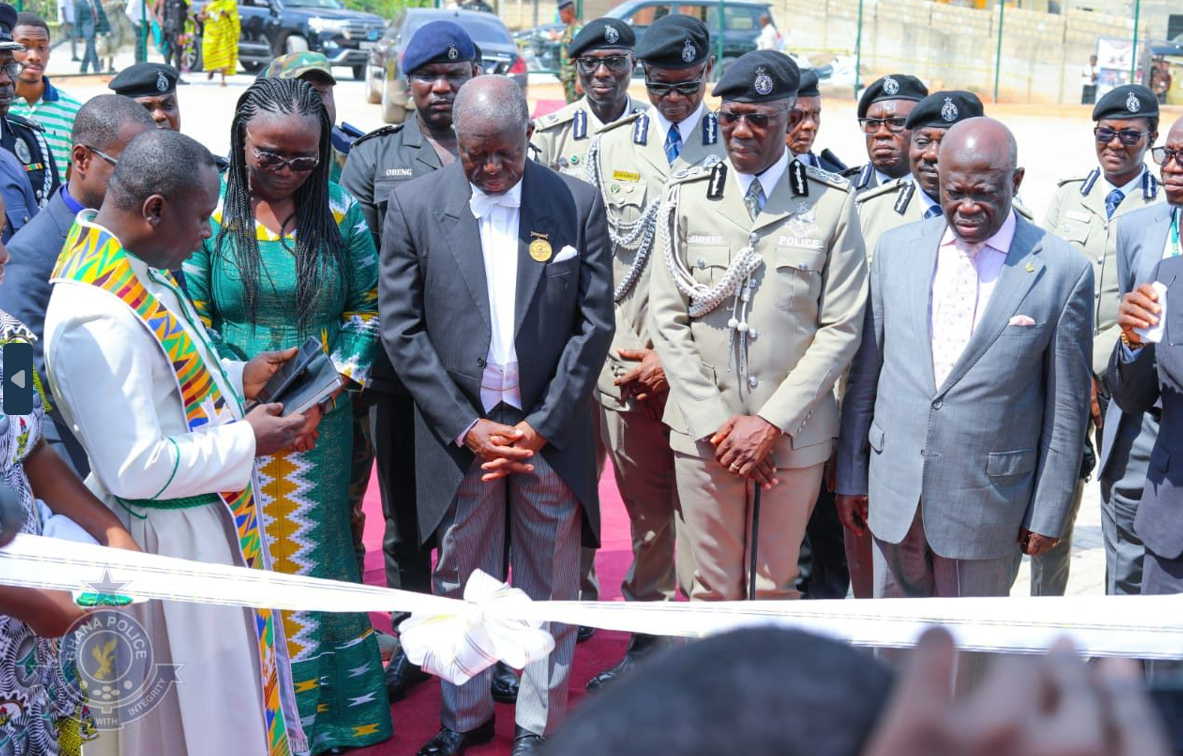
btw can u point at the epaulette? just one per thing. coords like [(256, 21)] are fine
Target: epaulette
[(627, 120), (557, 118), (825, 177), (393, 128), (696, 172), (889, 188), (22, 121), (1072, 179), (851, 172)]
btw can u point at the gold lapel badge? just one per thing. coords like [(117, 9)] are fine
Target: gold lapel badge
[(1030, 268), (540, 248)]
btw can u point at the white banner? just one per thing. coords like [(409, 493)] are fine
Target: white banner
[(506, 624)]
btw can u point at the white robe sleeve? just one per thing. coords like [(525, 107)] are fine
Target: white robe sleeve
[(108, 373)]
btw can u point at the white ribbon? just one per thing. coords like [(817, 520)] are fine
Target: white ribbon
[(500, 623)]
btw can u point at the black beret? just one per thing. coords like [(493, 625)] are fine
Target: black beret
[(603, 34), (145, 80), (7, 23), (759, 76), (943, 109), (438, 42), (808, 85), (675, 41), (1128, 101), (892, 87)]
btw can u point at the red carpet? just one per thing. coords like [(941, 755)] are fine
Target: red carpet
[(417, 717)]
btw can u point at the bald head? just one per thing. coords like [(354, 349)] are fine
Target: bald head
[(493, 129), (979, 177), (490, 101)]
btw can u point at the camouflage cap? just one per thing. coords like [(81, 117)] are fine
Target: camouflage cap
[(297, 65)]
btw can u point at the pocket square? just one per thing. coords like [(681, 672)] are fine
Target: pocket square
[(1021, 320), (566, 253)]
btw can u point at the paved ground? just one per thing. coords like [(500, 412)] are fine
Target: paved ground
[(1052, 143)]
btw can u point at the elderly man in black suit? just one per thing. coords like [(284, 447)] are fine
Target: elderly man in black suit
[(496, 306), (102, 128)]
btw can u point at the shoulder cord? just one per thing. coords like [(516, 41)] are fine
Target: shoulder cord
[(737, 281), (637, 234)]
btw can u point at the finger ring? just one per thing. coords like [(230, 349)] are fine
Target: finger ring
[(734, 468)]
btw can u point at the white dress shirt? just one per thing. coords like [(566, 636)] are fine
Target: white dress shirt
[(988, 262), (685, 127), (1131, 186), (498, 218), (769, 178)]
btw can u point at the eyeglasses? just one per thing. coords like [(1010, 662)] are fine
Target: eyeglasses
[(686, 89), (754, 120), (12, 69), (1163, 155), (103, 155), (616, 63), (269, 161), (1128, 137), (872, 125)]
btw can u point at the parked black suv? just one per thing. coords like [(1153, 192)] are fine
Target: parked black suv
[(741, 20), (271, 28)]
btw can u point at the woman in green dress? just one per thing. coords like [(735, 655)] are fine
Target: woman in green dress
[(291, 257)]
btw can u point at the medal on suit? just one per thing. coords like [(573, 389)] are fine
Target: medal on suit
[(540, 250)]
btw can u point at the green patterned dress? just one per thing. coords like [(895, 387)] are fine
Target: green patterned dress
[(336, 666)]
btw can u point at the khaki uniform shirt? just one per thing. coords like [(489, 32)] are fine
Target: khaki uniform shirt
[(561, 139), (1077, 215), (804, 313), (632, 169)]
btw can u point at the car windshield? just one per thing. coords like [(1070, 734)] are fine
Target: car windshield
[(334, 4), (481, 30)]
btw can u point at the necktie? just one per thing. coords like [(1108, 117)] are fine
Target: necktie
[(932, 212), (482, 203), (954, 311), (753, 200), (1112, 200), (673, 144)]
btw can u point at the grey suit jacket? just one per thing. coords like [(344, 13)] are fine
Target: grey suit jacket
[(1141, 239), (997, 446), (1156, 373), (25, 294), (434, 306)]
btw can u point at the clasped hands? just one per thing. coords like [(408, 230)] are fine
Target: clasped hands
[(646, 382), (743, 445), (505, 449)]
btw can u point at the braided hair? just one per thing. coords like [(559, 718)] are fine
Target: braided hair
[(320, 249)]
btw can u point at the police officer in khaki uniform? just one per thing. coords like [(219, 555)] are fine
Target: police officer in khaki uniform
[(1084, 212), (603, 55), (438, 60), (630, 161), (882, 111), (916, 196), (756, 309)]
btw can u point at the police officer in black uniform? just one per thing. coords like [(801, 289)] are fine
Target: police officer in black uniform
[(438, 60), (18, 135)]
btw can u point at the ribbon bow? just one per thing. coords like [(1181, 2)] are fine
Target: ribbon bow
[(482, 203), (458, 647)]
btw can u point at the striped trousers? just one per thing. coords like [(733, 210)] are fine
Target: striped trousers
[(545, 524)]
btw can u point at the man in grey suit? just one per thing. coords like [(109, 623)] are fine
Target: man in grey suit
[(496, 306), (1143, 238), (968, 450), (102, 128)]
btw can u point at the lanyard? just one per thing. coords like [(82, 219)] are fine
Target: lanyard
[(1175, 249)]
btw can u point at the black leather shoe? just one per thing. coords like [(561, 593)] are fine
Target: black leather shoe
[(526, 743), (585, 633), (638, 646), (505, 684), (401, 676), (451, 743)]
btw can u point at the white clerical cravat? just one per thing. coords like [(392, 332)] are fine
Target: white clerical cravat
[(497, 217)]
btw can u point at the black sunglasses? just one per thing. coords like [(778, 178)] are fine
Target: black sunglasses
[(754, 120), (1128, 137), (872, 125), (685, 89), (1163, 155), (589, 64)]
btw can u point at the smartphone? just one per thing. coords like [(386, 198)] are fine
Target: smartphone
[(290, 371)]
